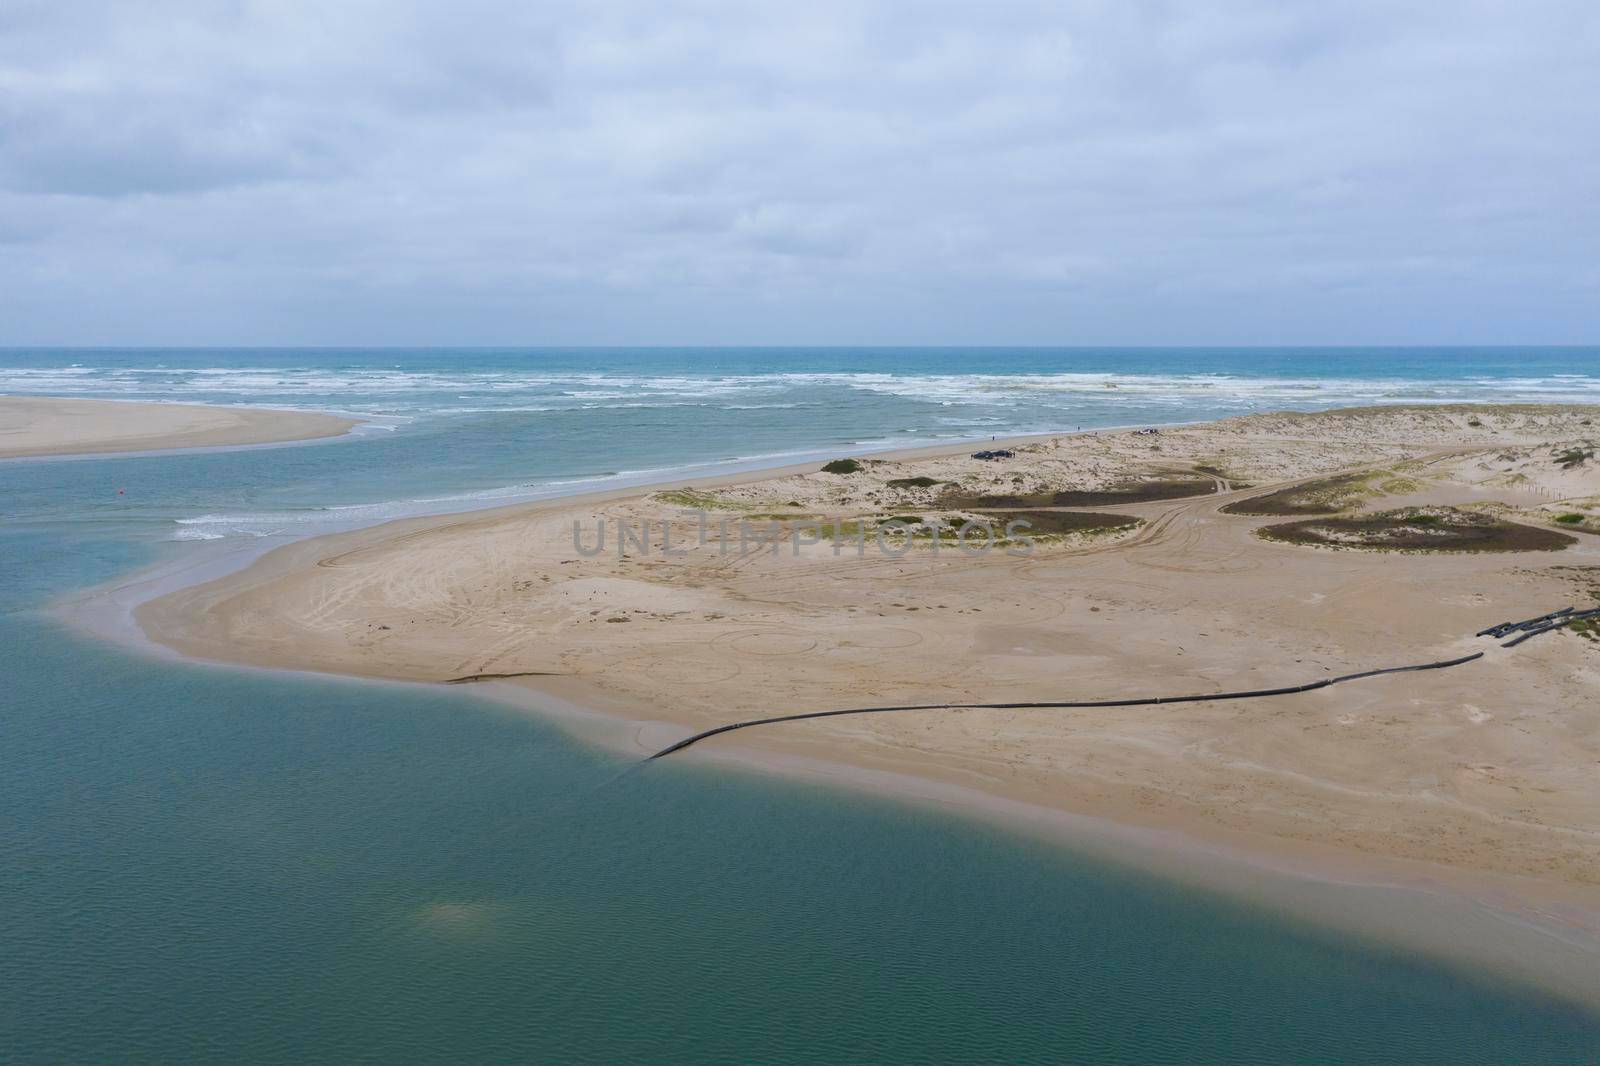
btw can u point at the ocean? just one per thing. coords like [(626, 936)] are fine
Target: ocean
[(198, 862)]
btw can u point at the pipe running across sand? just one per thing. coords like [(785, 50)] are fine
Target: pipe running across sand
[(1532, 627)]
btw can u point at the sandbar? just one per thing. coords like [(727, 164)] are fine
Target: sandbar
[(32, 426)]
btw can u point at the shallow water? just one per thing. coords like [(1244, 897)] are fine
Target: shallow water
[(198, 862)]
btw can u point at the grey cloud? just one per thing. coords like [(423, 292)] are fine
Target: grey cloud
[(703, 172)]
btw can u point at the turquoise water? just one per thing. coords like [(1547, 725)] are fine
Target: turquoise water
[(461, 428), (201, 863)]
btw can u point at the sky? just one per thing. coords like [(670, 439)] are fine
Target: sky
[(682, 172)]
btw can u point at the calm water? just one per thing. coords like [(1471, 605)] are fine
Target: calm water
[(203, 863)]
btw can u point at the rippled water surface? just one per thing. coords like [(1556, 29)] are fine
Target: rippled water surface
[(201, 863)]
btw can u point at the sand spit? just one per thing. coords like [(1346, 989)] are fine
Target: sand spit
[(48, 425), (753, 597)]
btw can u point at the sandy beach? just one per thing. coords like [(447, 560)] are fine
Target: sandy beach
[(1148, 573), (48, 425)]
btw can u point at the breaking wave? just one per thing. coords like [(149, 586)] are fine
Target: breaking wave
[(477, 393)]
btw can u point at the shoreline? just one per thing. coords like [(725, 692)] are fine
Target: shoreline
[(1537, 933), (87, 609), (1522, 912), (59, 427)]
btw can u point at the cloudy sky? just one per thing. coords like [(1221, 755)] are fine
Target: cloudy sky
[(685, 172)]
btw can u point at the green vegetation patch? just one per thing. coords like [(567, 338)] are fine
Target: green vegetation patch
[(841, 529), (1056, 523), (699, 500), (1119, 495), (842, 466), (1440, 529), (1573, 458), (915, 483), (1328, 495)]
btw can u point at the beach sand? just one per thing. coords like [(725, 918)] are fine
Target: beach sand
[(1481, 778), (47, 425)]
